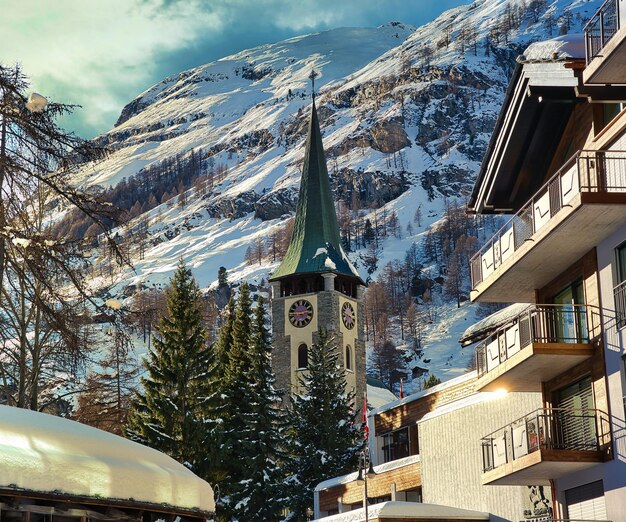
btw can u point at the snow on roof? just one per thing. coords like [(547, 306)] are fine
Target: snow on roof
[(414, 510), (470, 400), (43, 453), (566, 47), (381, 468), (414, 396), (377, 396), (481, 329)]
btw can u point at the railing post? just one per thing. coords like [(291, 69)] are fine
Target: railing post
[(602, 28)]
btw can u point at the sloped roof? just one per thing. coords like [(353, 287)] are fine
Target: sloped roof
[(315, 245), (46, 454), (483, 328)]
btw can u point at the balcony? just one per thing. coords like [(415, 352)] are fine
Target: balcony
[(544, 445), (583, 203), (536, 346), (606, 57)]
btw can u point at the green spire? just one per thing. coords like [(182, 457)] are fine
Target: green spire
[(315, 244)]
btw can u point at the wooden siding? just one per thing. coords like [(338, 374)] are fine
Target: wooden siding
[(409, 413), (578, 133), (586, 269), (405, 478)]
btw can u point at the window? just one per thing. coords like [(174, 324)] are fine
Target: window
[(570, 321), (348, 357), (396, 445), (303, 357), (586, 502), (574, 426), (610, 112)]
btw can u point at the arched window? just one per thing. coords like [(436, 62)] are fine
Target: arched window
[(348, 357), (303, 357)]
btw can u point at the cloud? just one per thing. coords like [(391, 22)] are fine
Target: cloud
[(102, 54)]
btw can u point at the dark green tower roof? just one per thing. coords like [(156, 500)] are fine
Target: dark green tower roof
[(315, 245)]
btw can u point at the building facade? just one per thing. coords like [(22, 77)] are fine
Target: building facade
[(557, 162), (537, 432), (426, 449), (316, 286)]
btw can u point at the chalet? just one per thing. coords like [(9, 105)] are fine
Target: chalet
[(56, 470)]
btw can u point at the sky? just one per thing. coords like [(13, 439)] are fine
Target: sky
[(102, 54)]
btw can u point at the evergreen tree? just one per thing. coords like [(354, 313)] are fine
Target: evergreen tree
[(432, 380), (324, 439), (258, 497), (169, 415), (236, 407)]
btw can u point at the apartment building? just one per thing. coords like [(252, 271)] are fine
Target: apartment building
[(426, 450), (557, 163)]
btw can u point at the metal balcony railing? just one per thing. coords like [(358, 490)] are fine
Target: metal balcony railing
[(551, 428), (549, 519), (601, 28), (538, 324), (619, 293), (586, 171)]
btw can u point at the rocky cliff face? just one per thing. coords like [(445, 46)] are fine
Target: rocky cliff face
[(405, 112)]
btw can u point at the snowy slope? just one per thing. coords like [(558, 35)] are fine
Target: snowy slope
[(396, 104)]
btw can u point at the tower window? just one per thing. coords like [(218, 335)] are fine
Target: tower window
[(303, 357), (348, 357)]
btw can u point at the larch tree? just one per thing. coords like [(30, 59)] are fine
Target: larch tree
[(168, 414), (325, 441), (35, 151), (111, 387)]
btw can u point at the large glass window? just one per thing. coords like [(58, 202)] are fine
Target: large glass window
[(570, 321), (396, 445)]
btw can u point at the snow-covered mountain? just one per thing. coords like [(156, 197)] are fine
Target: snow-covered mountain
[(406, 114)]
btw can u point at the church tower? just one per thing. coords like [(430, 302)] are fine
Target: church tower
[(316, 285)]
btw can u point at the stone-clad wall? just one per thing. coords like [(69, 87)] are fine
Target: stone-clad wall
[(327, 314)]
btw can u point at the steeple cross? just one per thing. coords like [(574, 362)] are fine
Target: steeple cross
[(312, 77)]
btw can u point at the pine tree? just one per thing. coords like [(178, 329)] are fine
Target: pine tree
[(258, 497), (169, 415), (324, 439)]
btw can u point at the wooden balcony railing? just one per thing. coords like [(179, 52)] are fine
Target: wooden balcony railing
[(550, 323), (586, 171), (601, 28), (550, 428)]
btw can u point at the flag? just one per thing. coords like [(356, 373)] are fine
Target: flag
[(401, 390), (366, 429)]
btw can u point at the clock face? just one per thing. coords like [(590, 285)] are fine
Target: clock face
[(348, 316), (300, 313)]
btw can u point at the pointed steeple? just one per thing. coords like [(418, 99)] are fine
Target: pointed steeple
[(315, 245)]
